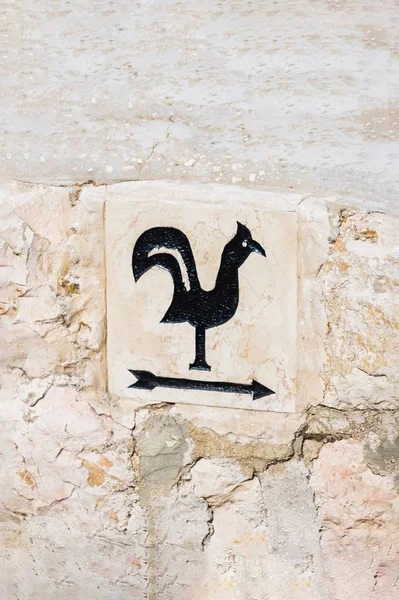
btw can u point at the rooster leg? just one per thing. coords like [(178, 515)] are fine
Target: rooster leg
[(200, 363)]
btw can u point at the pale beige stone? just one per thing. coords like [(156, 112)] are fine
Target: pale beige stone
[(215, 479), (313, 246), (259, 342), (277, 428), (265, 532), (69, 514), (360, 289), (359, 513)]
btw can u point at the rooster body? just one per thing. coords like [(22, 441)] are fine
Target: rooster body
[(190, 303)]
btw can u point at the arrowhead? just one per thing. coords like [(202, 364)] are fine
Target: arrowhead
[(259, 390), (145, 380)]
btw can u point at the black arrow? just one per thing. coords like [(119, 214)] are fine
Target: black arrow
[(149, 381)]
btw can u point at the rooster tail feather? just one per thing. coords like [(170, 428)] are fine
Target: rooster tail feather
[(157, 247)]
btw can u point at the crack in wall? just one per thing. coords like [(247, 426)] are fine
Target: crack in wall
[(161, 474)]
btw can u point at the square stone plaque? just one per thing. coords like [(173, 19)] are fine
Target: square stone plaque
[(201, 300)]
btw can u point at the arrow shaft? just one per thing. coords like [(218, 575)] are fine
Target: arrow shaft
[(211, 386)]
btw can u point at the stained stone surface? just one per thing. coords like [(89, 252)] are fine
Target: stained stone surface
[(257, 343), (360, 287), (292, 104), (100, 494)]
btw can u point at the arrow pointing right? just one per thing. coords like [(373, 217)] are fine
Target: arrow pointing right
[(148, 381)]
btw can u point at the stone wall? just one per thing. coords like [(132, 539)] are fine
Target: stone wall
[(101, 499)]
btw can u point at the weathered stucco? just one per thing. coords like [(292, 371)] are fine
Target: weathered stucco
[(101, 499)]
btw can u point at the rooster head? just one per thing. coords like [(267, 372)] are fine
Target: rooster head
[(243, 237), (241, 246)]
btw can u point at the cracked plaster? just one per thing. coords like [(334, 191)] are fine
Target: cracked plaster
[(176, 501)]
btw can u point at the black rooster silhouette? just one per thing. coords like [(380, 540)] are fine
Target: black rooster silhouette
[(202, 309)]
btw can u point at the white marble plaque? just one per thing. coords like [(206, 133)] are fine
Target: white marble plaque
[(201, 301)]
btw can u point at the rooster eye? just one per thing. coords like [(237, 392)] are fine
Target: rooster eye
[(244, 244)]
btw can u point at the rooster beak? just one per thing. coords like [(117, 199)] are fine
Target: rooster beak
[(255, 247)]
